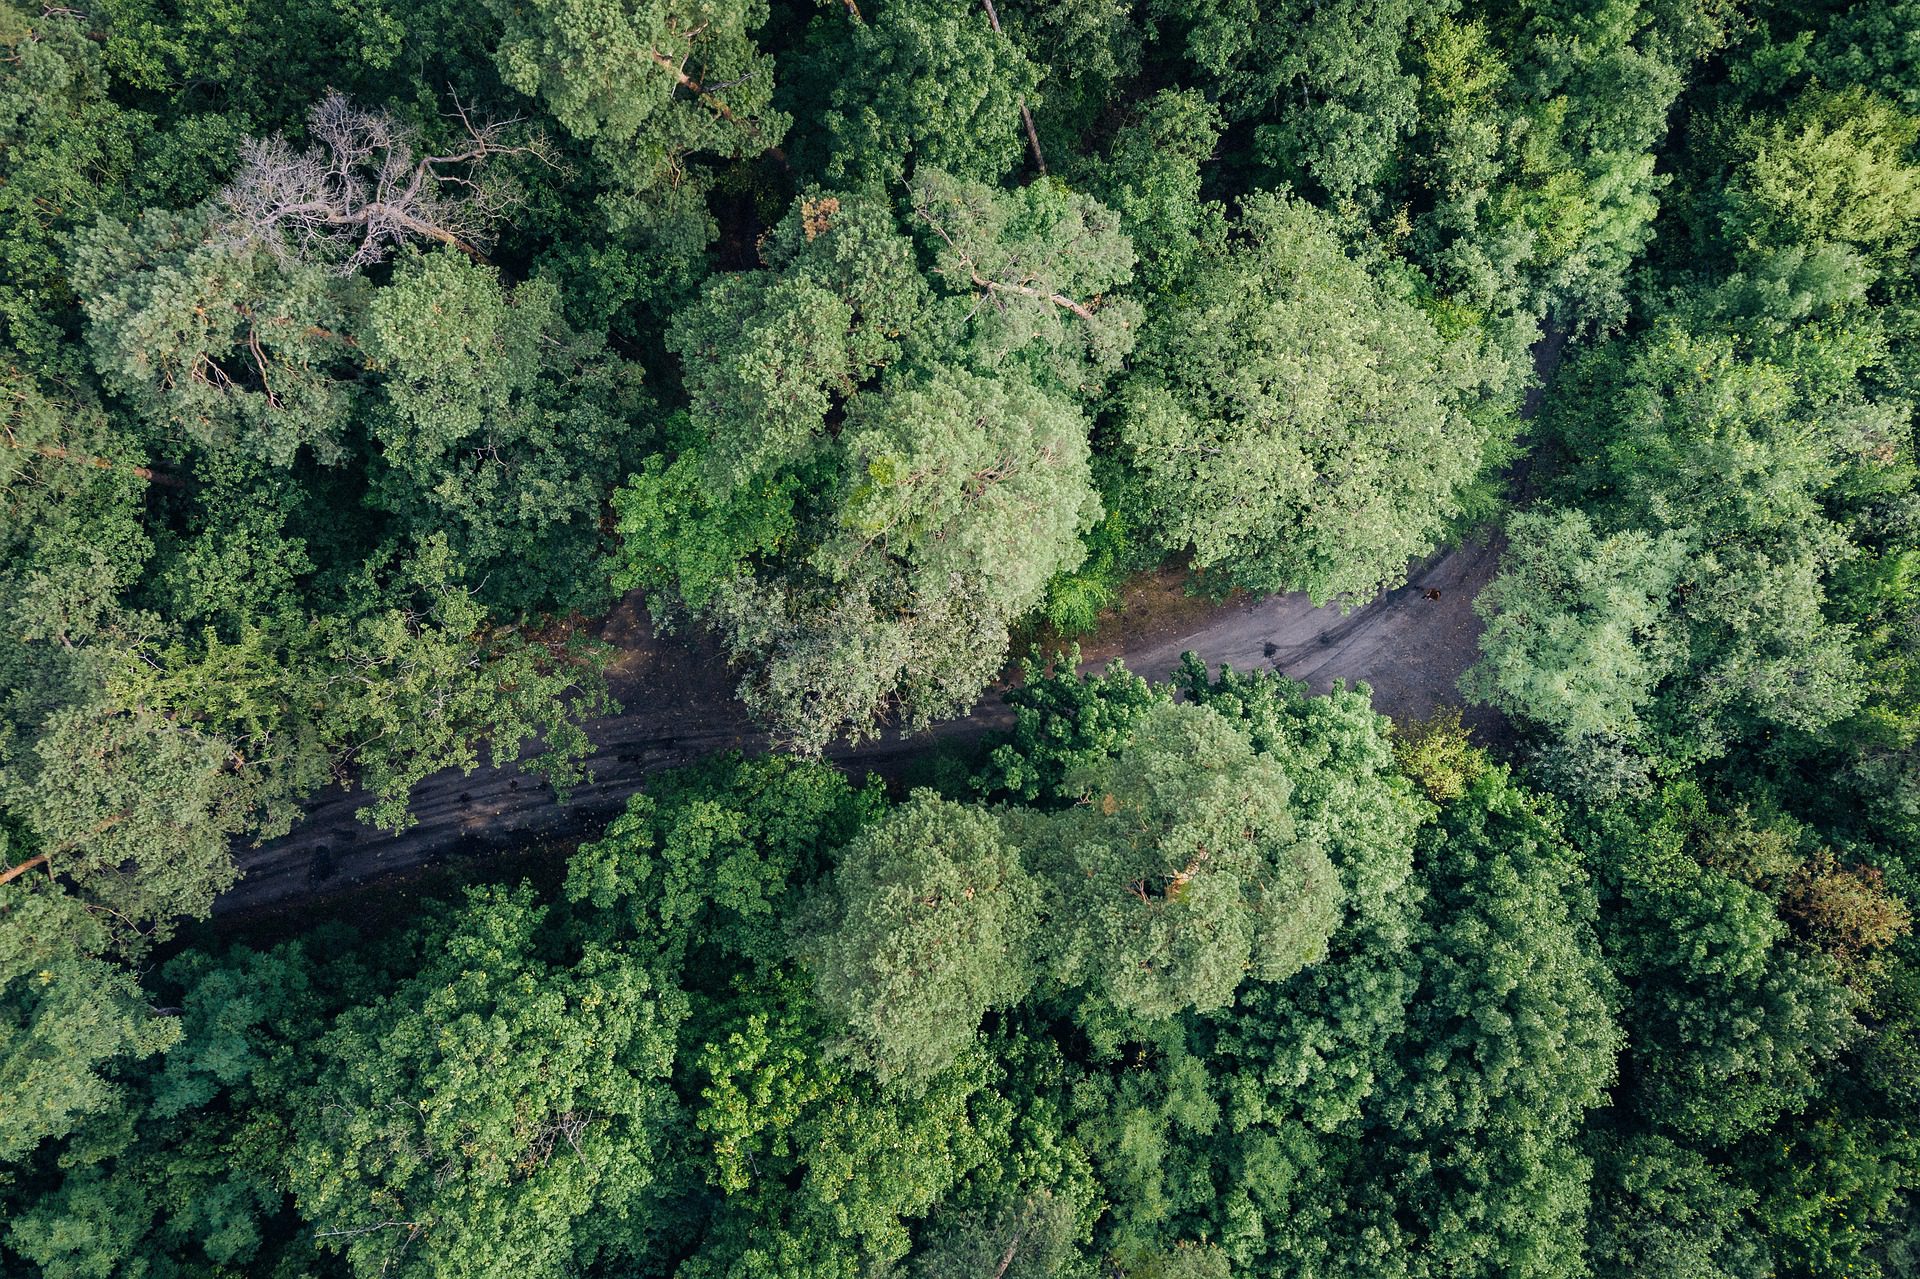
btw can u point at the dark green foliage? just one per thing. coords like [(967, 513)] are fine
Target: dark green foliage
[(486, 1106), (918, 83)]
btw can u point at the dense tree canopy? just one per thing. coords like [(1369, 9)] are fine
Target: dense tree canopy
[(357, 359)]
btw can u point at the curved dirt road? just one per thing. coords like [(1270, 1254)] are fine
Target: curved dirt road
[(1410, 645)]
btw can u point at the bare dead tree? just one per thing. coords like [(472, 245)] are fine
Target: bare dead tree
[(361, 189)]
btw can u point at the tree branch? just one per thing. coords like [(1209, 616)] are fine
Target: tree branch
[(1033, 135), (14, 872), (712, 103)]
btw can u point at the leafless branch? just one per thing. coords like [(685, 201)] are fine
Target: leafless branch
[(360, 188), (14, 872)]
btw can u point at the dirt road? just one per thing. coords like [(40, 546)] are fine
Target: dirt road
[(1410, 645)]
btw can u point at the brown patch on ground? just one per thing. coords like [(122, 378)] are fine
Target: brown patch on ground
[(1154, 607)]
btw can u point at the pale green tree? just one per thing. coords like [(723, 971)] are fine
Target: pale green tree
[(1183, 871), (221, 339), (1034, 270), (927, 922), (1292, 422), (1579, 630)]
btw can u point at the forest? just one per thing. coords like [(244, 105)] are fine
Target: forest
[(359, 356)]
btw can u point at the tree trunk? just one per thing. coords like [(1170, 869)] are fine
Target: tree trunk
[(13, 873), (1026, 116)]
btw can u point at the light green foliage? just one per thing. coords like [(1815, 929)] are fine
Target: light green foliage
[(1294, 423), (1578, 625), (66, 1015), (679, 540), (1840, 166), (219, 339), (1031, 268), (473, 1120), (967, 479), (1184, 870), (881, 472), (502, 427), (845, 656), (961, 498), (763, 376), (1693, 607), (927, 923), (919, 83), (769, 354), (1436, 754)]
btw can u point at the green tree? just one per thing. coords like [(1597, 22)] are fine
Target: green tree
[(499, 1111), (1329, 81), (1508, 1044), (1030, 268), (1730, 1024), (1661, 1209), (500, 427), (68, 1016), (1184, 871), (1151, 176), (1838, 166), (927, 923), (710, 860), (218, 339), (769, 355), (1579, 630), (1294, 423), (632, 81), (1031, 1237), (918, 82), (819, 1169)]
